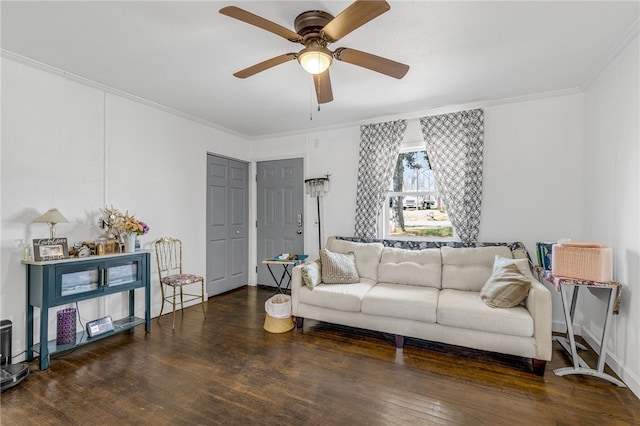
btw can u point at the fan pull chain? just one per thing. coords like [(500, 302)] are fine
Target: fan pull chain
[(311, 105)]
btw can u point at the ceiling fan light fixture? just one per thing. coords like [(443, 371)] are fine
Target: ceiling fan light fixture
[(315, 59)]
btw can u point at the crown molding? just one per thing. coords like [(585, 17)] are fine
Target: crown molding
[(615, 50), (112, 91), (404, 116)]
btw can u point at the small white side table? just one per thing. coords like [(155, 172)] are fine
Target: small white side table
[(569, 288), (285, 273)]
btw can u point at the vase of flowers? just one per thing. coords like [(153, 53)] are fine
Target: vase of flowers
[(124, 227), (133, 227), (130, 242)]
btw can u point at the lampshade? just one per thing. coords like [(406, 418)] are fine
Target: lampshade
[(52, 216), (317, 187), (315, 59)]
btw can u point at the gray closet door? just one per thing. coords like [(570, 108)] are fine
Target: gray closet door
[(227, 224)]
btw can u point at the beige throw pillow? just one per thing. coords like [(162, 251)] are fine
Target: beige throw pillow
[(506, 287), (338, 268), (311, 273)]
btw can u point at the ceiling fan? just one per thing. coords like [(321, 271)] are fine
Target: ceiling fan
[(315, 30)]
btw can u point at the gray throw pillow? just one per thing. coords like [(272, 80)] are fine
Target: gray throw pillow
[(338, 268), (507, 287)]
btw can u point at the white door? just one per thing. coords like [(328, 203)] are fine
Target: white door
[(280, 202)]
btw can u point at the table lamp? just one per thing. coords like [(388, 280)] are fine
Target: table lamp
[(52, 217)]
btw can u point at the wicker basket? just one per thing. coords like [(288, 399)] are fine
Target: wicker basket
[(278, 325), (585, 261), (278, 317)]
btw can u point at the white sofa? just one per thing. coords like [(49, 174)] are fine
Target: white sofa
[(431, 294)]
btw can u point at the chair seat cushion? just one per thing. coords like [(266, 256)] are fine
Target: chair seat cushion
[(181, 279)]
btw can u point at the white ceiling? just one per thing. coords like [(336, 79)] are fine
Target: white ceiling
[(182, 55)]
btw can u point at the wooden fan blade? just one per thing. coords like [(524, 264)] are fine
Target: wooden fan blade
[(323, 87), (372, 62), (265, 65), (260, 22), (356, 15)]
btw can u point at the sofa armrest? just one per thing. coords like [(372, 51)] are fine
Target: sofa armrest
[(296, 284), (538, 303)]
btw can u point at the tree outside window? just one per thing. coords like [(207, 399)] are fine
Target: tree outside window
[(414, 208)]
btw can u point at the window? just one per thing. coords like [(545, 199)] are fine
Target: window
[(413, 208)]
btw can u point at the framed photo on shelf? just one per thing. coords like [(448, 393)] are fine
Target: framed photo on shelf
[(50, 249)]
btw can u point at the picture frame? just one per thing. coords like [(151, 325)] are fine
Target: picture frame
[(50, 249), (110, 247)]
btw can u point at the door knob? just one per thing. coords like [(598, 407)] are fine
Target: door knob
[(237, 232), (299, 231)]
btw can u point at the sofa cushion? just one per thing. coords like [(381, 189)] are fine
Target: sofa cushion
[(411, 302), (465, 309), (341, 297), (506, 287), (469, 268), (367, 255), (414, 267), (338, 268), (311, 273)]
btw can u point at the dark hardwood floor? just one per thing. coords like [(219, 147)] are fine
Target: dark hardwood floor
[(228, 370)]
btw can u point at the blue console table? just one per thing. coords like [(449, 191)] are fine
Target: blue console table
[(60, 282)]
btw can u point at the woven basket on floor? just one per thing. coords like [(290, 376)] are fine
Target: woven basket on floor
[(277, 325), (278, 316)]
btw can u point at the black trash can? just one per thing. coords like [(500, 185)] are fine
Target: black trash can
[(5, 342)]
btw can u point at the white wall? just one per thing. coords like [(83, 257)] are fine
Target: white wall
[(611, 159), (333, 152), (530, 148), (76, 148)]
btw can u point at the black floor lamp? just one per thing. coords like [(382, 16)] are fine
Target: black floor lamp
[(317, 187)]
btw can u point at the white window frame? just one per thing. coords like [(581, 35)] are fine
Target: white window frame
[(408, 146)]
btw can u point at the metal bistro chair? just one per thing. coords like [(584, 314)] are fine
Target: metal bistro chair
[(169, 259)]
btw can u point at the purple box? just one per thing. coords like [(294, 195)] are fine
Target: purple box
[(66, 326)]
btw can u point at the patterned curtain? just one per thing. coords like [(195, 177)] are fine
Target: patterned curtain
[(379, 147), (454, 146)]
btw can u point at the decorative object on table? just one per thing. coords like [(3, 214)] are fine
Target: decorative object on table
[(66, 326), (52, 217), (110, 247), (123, 227), (169, 260), (278, 314), (50, 249), (585, 261), (317, 187), (79, 249), (291, 257), (84, 251), (100, 242), (544, 252)]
